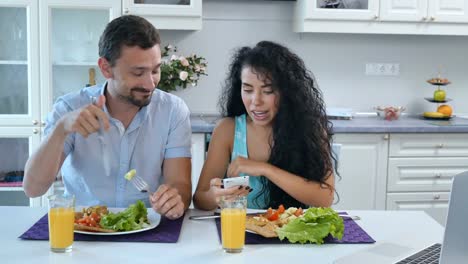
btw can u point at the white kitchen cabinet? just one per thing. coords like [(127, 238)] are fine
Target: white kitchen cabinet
[(19, 96), (422, 174), (420, 171), (167, 14), (448, 11), (365, 10), (198, 157), (65, 33), (16, 144), (435, 204), (19, 63), (429, 145), (406, 10), (433, 11), (431, 17), (362, 166), (69, 36)]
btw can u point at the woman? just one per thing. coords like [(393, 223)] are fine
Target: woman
[(274, 129)]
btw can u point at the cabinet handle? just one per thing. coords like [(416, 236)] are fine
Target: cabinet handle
[(126, 11), (43, 123), (35, 131), (424, 18), (376, 17), (440, 145), (35, 122), (432, 18), (386, 137), (436, 196), (438, 175)]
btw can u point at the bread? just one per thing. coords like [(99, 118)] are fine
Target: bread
[(93, 229), (261, 226), (79, 215)]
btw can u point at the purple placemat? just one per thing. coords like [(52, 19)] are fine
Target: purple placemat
[(167, 231), (353, 234)]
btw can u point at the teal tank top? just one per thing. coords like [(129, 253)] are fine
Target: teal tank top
[(240, 149)]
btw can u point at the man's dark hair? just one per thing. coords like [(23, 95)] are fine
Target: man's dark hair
[(128, 30)]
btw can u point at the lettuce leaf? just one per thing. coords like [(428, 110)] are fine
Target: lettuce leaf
[(133, 218), (313, 226)]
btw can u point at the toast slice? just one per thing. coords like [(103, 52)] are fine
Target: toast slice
[(261, 226), (93, 229), (79, 227)]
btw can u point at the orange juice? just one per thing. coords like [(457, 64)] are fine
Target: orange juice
[(61, 222), (233, 229)]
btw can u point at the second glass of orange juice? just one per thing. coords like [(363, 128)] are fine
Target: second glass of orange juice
[(233, 214), (61, 222)]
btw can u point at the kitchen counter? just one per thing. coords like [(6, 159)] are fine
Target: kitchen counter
[(366, 124), (199, 242)]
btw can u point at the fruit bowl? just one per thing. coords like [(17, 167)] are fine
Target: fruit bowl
[(438, 81), (436, 116), (431, 99), (389, 112)]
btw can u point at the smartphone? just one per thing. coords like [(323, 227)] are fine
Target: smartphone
[(236, 181)]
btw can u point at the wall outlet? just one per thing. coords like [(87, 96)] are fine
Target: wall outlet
[(386, 69)]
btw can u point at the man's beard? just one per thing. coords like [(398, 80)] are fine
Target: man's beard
[(133, 100)]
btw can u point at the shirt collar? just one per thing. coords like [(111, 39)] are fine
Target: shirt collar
[(139, 118)]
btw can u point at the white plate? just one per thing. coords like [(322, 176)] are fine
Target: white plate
[(153, 217)]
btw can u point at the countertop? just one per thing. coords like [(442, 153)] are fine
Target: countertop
[(199, 242), (365, 124)]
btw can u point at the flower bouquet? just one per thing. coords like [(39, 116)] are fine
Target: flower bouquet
[(180, 71)]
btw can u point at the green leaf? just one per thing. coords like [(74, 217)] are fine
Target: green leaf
[(313, 226), (133, 218)]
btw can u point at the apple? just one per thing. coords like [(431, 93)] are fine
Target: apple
[(439, 95)]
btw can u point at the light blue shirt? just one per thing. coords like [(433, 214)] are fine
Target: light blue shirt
[(240, 149), (159, 131)]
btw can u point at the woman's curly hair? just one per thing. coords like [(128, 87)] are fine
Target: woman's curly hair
[(301, 142)]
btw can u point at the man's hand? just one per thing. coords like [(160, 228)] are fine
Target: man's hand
[(168, 202), (85, 120)]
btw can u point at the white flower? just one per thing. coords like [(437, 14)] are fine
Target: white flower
[(173, 57), (184, 61), (194, 84), (197, 68), (169, 47), (183, 75)]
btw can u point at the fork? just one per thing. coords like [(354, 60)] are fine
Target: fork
[(137, 181), (350, 217)]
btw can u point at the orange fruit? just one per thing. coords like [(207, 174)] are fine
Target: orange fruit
[(445, 109)]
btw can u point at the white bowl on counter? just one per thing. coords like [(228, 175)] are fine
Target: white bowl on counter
[(389, 112)]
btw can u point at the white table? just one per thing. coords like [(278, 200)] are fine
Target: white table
[(199, 242)]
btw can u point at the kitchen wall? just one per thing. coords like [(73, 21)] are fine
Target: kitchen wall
[(337, 60)]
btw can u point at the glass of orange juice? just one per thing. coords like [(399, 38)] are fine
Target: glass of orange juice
[(61, 222), (233, 214)]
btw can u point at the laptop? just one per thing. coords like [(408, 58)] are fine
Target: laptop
[(453, 250)]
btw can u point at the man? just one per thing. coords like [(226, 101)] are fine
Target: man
[(143, 128)]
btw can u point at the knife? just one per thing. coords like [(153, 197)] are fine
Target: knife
[(104, 152), (203, 217)]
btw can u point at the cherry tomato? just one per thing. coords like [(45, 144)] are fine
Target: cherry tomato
[(274, 216), (280, 209), (298, 212)]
